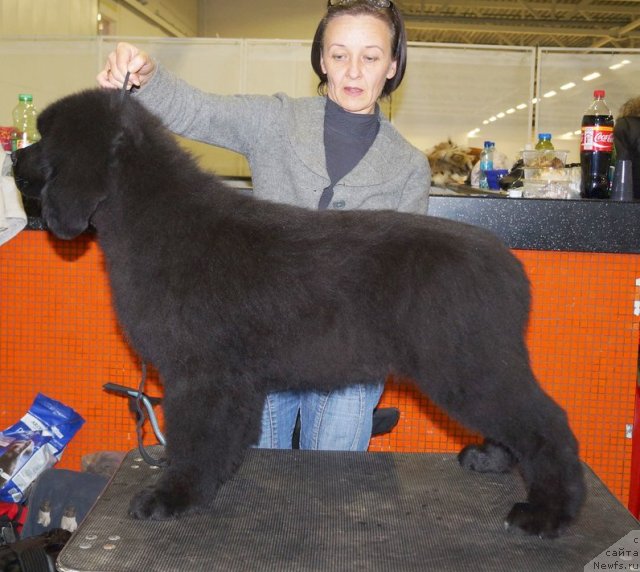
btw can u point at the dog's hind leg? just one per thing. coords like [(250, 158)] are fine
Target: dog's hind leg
[(547, 454), (537, 431), (521, 424), (207, 435)]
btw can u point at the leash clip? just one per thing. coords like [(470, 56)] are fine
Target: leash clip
[(142, 403)]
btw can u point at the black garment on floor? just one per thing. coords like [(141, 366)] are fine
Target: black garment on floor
[(57, 491)]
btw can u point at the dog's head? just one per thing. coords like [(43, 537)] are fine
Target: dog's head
[(68, 169)]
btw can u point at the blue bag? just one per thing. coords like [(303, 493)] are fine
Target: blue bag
[(34, 444)]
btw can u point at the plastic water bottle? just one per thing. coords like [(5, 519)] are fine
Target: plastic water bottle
[(544, 142), (25, 130), (486, 163)]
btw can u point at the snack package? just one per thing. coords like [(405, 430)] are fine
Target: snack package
[(5, 138), (34, 444)]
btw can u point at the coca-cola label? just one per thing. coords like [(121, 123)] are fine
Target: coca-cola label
[(597, 138)]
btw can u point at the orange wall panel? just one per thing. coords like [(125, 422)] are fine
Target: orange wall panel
[(58, 336)]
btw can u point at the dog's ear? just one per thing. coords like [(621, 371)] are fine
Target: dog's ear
[(79, 139), (69, 201)]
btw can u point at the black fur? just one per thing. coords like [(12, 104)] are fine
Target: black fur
[(231, 297)]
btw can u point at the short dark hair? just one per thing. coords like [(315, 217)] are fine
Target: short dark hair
[(393, 19)]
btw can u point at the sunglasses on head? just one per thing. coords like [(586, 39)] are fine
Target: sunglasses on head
[(373, 3)]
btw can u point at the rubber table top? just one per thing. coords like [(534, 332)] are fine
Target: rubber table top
[(320, 510)]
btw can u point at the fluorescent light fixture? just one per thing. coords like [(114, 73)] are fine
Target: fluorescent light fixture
[(511, 110), (567, 86), (492, 118), (473, 132), (619, 65), (567, 135), (485, 122), (521, 106), (534, 100), (577, 132), (500, 115), (550, 93), (591, 76)]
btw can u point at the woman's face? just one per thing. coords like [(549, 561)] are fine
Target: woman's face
[(356, 56)]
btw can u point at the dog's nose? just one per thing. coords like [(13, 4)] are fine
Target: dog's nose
[(14, 158)]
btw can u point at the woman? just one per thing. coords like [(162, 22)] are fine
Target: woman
[(626, 136), (335, 150)]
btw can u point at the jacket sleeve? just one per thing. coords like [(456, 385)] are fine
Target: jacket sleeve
[(415, 195), (229, 121)]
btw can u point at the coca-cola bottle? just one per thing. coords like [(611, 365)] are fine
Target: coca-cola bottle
[(596, 147)]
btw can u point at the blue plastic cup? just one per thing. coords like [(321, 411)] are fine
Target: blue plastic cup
[(494, 176)]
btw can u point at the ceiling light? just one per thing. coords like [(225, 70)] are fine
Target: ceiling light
[(521, 106), (500, 115), (492, 118), (619, 65), (577, 132), (591, 76), (550, 93), (511, 110), (534, 100), (485, 122), (567, 86)]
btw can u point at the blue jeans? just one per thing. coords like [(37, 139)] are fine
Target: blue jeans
[(336, 420)]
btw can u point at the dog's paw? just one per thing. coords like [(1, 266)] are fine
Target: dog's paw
[(536, 521), (153, 504), (486, 458)]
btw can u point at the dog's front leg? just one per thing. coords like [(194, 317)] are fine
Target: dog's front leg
[(207, 434)]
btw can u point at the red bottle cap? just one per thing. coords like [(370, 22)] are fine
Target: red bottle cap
[(598, 93)]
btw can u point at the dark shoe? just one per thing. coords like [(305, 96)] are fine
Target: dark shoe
[(384, 420)]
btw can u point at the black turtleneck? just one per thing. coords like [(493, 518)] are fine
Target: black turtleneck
[(347, 138)]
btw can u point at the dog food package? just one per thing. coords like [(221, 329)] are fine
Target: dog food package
[(34, 444)]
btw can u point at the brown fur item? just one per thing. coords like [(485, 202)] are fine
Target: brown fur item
[(630, 108), (450, 163)]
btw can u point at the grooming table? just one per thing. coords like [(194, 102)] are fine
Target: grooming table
[(332, 511)]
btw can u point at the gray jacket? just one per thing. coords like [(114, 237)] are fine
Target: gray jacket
[(282, 139)]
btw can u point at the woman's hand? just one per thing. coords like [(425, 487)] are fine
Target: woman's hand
[(126, 58)]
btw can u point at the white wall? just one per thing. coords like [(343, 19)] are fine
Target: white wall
[(150, 17), (80, 17), (47, 68), (48, 17), (284, 19), (119, 19), (295, 19)]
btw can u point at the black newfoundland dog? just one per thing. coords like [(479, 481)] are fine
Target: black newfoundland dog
[(231, 297)]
